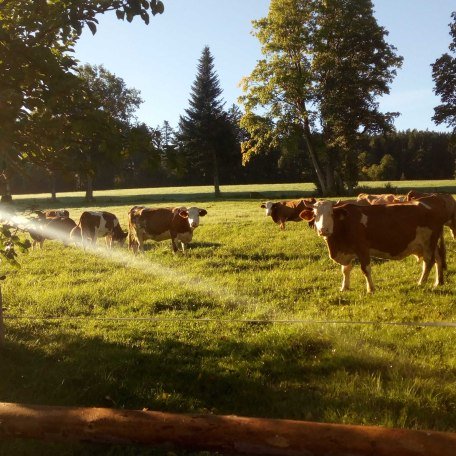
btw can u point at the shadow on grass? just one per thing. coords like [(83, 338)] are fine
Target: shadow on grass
[(296, 378), (158, 198)]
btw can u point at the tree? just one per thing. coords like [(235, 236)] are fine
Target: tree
[(101, 126), (203, 126), (325, 62), (36, 63), (444, 76)]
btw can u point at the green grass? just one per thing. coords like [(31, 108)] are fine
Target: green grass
[(240, 266)]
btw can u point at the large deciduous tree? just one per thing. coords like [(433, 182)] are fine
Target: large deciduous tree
[(205, 122), (325, 63), (104, 122), (444, 75), (36, 40)]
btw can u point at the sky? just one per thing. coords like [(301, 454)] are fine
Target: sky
[(160, 59)]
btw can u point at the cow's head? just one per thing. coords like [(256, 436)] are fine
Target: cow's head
[(268, 205), (75, 235), (41, 215), (118, 235), (322, 214), (192, 214)]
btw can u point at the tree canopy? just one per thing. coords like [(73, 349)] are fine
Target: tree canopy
[(37, 65), (444, 75), (203, 129), (325, 63)]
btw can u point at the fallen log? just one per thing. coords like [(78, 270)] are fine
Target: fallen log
[(224, 434)]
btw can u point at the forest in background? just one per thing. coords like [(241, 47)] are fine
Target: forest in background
[(309, 110)]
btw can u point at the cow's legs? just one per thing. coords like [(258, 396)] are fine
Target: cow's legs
[(108, 240), (427, 266), (173, 242), (366, 268), (346, 269), (430, 257), (439, 267), (183, 246), (139, 247)]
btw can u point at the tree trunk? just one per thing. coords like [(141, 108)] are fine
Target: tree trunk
[(53, 188), (89, 188), (6, 196), (2, 328), (330, 184), (215, 433), (313, 157), (216, 174)]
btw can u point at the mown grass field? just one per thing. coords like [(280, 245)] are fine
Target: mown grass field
[(240, 266)]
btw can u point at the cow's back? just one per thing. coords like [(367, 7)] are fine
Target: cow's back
[(388, 231)]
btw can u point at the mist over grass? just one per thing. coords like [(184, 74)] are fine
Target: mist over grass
[(239, 266)]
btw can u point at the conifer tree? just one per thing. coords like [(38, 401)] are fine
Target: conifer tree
[(201, 129)]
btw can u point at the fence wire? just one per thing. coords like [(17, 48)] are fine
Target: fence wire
[(431, 324)]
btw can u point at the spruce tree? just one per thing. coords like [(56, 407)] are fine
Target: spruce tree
[(202, 128)]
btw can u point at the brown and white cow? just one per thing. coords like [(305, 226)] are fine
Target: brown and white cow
[(386, 231), (163, 223), (52, 228), (95, 224), (286, 211), (51, 213), (385, 198), (448, 201)]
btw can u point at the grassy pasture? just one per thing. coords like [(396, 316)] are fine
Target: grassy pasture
[(240, 266)]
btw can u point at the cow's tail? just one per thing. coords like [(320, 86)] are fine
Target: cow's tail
[(442, 251)]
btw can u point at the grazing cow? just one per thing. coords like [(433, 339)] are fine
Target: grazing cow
[(286, 211), (93, 225), (51, 213), (386, 198), (389, 231), (448, 201), (58, 228), (163, 223)]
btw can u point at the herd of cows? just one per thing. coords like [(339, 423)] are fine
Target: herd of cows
[(381, 226)]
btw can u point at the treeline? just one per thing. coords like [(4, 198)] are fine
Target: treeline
[(410, 154)]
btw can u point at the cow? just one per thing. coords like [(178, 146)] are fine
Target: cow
[(286, 211), (386, 198), (448, 201), (132, 242), (163, 223), (392, 231), (58, 228), (51, 213), (95, 224)]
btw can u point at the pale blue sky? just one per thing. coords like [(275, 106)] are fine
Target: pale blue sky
[(160, 59)]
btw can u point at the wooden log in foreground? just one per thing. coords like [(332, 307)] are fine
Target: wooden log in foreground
[(224, 434)]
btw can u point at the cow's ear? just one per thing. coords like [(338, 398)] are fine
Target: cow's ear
[(263, 205), (307, 214), (202, 212), (183, 214)]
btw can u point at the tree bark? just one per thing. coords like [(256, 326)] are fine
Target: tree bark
[(53, 188), (215, 433), (89, 188), (2, 328), (216, 173), (313, 157), (5, 185)]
